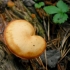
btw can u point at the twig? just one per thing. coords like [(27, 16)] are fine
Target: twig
[(64, 55), (4, 22), (40, 62), (16, 17), (8, 14), (45, 26), (67, 35), (64, 39), (48, 29), (46, 59)]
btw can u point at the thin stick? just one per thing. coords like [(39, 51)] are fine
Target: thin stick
[(46, 59), (64, 55), (40, 62), (48, 29), (44, 23), (8, 14)]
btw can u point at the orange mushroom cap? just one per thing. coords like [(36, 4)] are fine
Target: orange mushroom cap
[(21, 40)]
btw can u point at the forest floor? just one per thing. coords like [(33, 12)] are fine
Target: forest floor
[(57, 53)]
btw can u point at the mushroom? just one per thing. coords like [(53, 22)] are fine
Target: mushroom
[(21, 40)]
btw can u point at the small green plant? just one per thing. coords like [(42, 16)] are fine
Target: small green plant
[(59, 11), (39, 5)]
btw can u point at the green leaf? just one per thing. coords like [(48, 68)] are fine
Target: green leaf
[(41, 4), (60, 18), (63, 6), (51, 9), (37, 5)]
